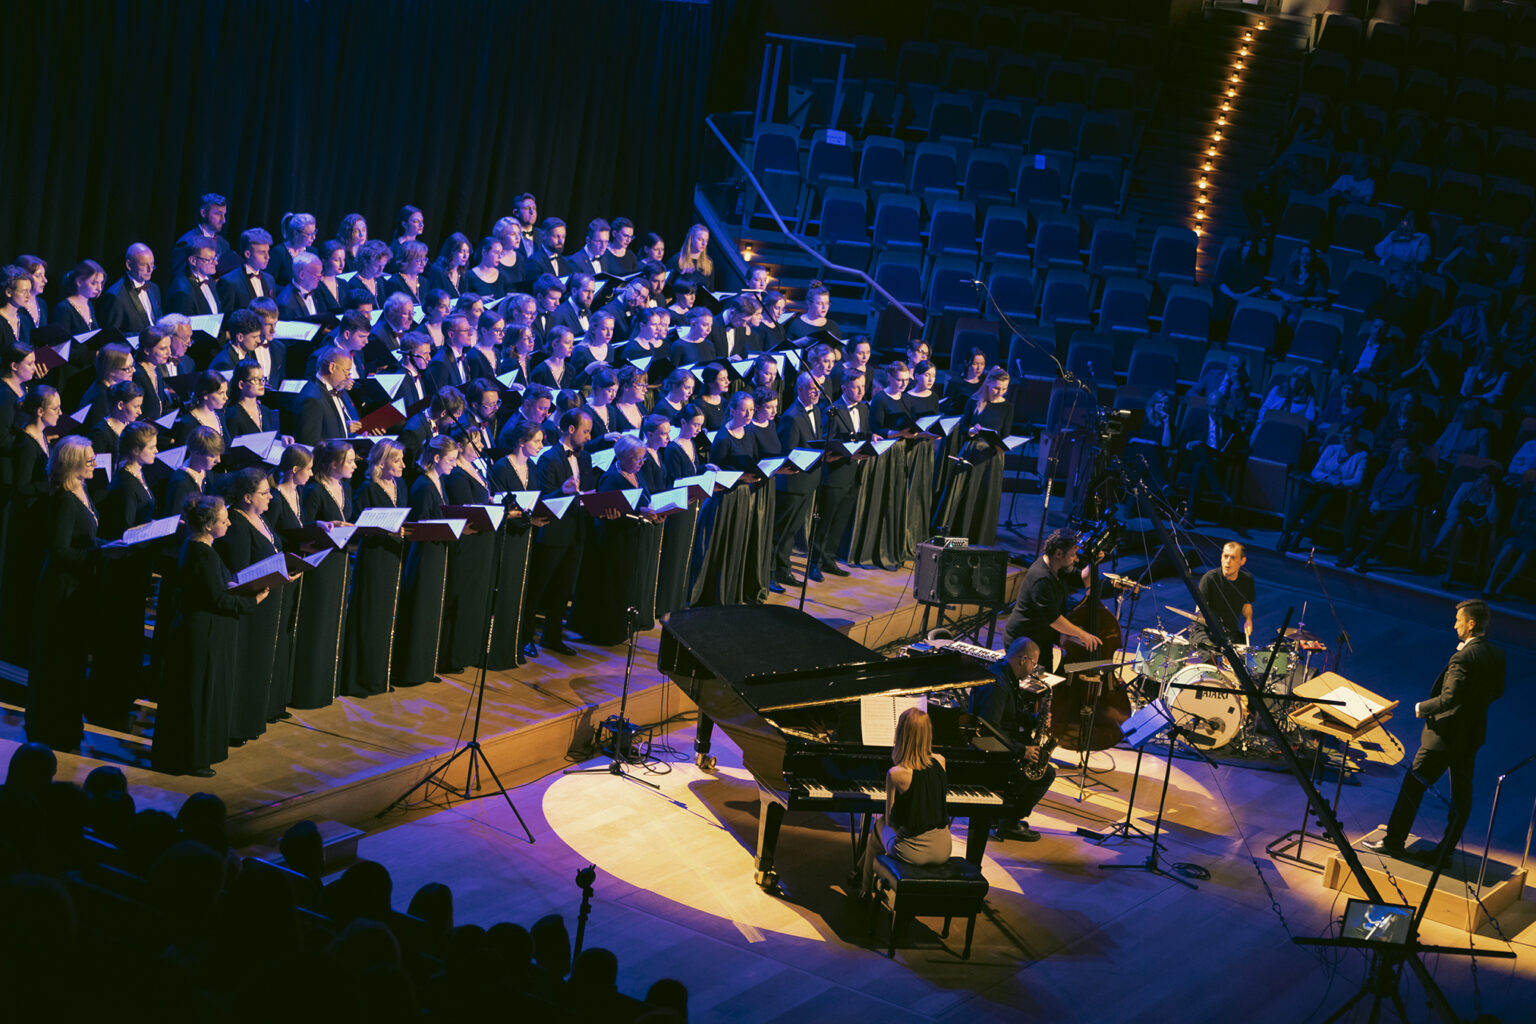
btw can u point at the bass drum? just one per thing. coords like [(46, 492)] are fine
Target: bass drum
[(1209, 720)]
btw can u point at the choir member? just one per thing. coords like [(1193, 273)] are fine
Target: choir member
[(367, 285), (368, 648), (117, 675), (18, 365), (629, 407), (153, 371), (192, 718), (628, 309), (125, 403), (610, 604), (606, 428), (775, 331), (450, 366), (412, 263), (298, 231), (248, 540), (210, 394), (800, 425), (740, 335), (818, 301), (880, 528), (516, 247), (415, 357), (476, 429), (66, 599), (590, 259), (83, 285), (250, 279), (114, 364), (726, 567), (326, 502), (564, 469), (452, 263), (332, 293), (294, 470), (548, 256), (133, 301), (351, 234), (653, 247), (684, 298), (649, 338), (712, 399), (471, 562), (515, 471), (39, 415), (596, 350), (445, 409), (193, 287), (410, 222), (244, 329), (486, 277), (682, 457), (576, 311), (324, 411), (547, 293), (693, 260), (848, 419), (695, 342), (205, 446), (15, 296), (619, 261), (765, 428), (971, 491), (212, 213), (857, 361), (520, 348), (38, 268), (555, 371), (765, 374), (247, 415), (424, 587), (959, 390), (436, 304), (676, 392)]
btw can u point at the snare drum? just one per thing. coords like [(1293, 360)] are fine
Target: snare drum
[(1210, 719), (1258, 660)]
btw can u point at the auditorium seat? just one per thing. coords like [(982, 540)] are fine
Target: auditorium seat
[(1326, 74), (1305, 220), (1002, 126), (1114, 88), (968, 68), (1255, 324), (1424, 90), (1357, 228), (1066, 82), (1276, 450), (1012, 289), (952, 229), (1101, 134), (935, 172), (844, 227), (971, 333), (829, 164), (901, 275), (1509, 204), (1406, 186), (1040, 184), (898, 222), (1058, 242), (1124, 305), (1317, 338), (1387, 42), (1341, 33), (776, 165), (1458, 194), (1112, 248), (882, 164), (949, 286), (988, 176), (1154, 366), (951, 119), (1096, 189), (1092, 362), (1376, 83), (1017, 77), (1362, 288), (1005, 234), (1066, 297), (1172, 260), (1050, 130)]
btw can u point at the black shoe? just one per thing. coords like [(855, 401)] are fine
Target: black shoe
[(1383, 846), (813, 573), (1018, 830), (786, 578), (775, 587), (238, 743), (530, 649), (560, 647), (202, 773), (834, 569), (283, 716)]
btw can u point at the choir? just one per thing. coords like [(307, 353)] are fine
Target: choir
[(334, 471)]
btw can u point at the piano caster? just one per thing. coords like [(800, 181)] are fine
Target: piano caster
[(769, 880), (705, 761)]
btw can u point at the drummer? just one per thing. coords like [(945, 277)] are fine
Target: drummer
[(1040, 612), (1000, 705), (1228, 592)]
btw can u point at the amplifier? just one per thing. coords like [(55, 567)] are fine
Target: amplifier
[(953, 575)]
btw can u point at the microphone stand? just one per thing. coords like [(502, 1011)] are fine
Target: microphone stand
[(623, 730), (472, 748)]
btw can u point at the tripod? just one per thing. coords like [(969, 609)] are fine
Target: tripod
[(623, 731), (1137, 729), (438, 776)]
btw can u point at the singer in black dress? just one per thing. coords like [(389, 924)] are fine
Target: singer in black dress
[(683, 457), (367, 652), (424, 588), (471, 564), (39, 414), (921, 401), (765, 497), (192, 720), (294, 470), (247, 541), (514, 471), (117, 674), (322, 611), (972, 489), (246, 414), (66, 600), (880, 518), (727, 563), (617, 588)]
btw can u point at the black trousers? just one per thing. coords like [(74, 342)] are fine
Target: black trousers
[(1428, 765), (790, 510), (1030, 793), (837, 504), (552, 571)]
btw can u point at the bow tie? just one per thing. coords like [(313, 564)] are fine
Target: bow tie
[(138, 288), (253, 275), (263, 344)]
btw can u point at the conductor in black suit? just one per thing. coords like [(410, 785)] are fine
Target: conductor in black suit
[(133, 301), (250, 280), (1455, 725), (801, 423), (325, 412), (191, 292)]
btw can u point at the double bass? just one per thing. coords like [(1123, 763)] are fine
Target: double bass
[(1088, 709)]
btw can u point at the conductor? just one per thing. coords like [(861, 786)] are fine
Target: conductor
[(1455, 725)]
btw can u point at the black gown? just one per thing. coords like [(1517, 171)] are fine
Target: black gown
[(283, 516), (422, 594), (727, 562), (24, 557), (192, 719), (971, 497), (471, 283), (369, 643), (322, 608), (117, 674), (769, 446), (879, 532), (618, 572), (920, 476), (512, 583), (238, 422), (251, 687), (715, 414), (66, 601), (471, 564), (677, 533)]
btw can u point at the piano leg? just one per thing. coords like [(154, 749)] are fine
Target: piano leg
[(701, 743), (977, 833), (770, 815)]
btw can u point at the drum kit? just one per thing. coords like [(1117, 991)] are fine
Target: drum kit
[(1202, 692)]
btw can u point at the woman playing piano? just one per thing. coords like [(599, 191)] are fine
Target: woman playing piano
[(914, 827)]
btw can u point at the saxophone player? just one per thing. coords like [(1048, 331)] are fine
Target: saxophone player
[(999, 704)]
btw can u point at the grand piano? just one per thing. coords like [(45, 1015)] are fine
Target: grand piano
[(787, 687)]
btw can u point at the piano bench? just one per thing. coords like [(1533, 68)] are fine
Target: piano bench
[(953, 889)]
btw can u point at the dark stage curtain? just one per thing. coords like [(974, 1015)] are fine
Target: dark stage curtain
[(122, 113)]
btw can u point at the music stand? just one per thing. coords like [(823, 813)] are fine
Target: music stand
[(1164, 720), (1137, 730)]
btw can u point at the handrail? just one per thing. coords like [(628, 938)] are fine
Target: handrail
[(709, 119), (809, 39), (1494, 812)]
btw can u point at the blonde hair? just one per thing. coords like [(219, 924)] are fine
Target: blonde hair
[(380, 455), (702, 263), (914, 740), (71, 456)]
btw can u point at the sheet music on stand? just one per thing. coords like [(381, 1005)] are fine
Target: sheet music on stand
[(879, 713)]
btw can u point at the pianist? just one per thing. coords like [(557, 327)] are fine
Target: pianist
[(999, 704), (915, 827)]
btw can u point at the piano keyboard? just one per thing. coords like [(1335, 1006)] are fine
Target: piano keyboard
[(964, 796), (986, 655)]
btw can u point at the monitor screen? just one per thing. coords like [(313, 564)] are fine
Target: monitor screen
[(1377, 922)]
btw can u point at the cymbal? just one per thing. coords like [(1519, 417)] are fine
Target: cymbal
[(1191, 616), (1305, 636)]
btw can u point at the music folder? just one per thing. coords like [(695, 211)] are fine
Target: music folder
[(435, 530), (481, 518), (382, 417), (320, 535), (598, 503), (50, 358), (666, 503), (143, 534)]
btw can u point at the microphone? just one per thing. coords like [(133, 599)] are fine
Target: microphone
[(973, 282), (962, 461)]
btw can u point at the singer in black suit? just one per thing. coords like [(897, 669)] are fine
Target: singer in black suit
[(799, 425), (1455, 726), (238, 288), (847, 420), (562, 470), (185, 293), (122, 305), (319, 418)]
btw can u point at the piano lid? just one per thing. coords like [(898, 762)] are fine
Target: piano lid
[(779, 658)]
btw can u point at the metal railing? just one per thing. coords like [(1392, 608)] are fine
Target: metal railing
[(1492, 814)]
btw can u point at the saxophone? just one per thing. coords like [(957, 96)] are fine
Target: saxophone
[(1041, 740)]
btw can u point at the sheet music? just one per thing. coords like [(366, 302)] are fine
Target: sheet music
[(390, 520), (1352, 704), (878, 714)]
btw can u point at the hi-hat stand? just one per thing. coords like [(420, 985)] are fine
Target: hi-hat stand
[(472, 748), (623, 731)]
